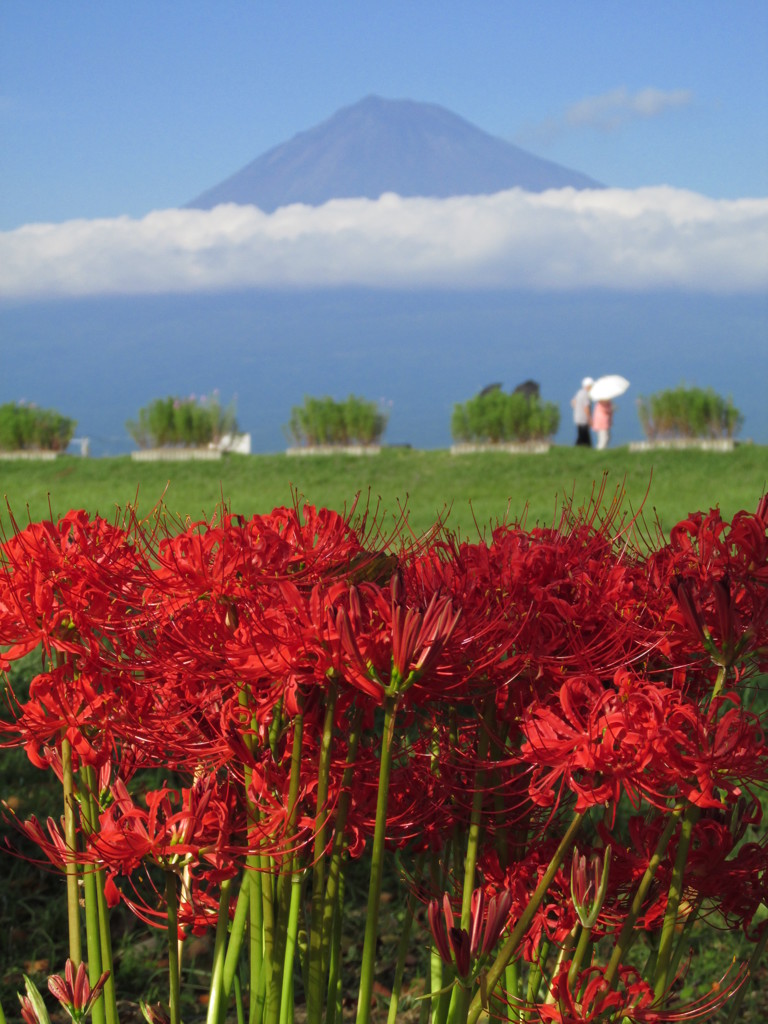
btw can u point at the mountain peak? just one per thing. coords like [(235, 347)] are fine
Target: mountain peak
[(381, 145)]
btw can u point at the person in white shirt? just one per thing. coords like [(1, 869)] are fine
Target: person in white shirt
[(582, 413)]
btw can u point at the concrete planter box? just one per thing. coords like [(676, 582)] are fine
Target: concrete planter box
[(335, 449), (30, 456), (508, 447), (176, 455), (704, 444)]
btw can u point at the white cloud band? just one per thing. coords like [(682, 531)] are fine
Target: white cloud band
[(558, 240), (612, 109)]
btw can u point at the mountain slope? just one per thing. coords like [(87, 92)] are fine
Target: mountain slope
[(379, 145)]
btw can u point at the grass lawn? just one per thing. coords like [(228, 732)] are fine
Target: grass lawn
[(471, 489)]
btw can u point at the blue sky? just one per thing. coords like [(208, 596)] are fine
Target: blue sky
[(114, 114), (122, 108)]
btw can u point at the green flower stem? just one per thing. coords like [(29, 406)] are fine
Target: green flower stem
[(722, 672), (565, 952), (256, 936), (512, 985), (107, 961), (271, 989), (582, 947), (97, 912), (236, 935), (93, 938), (509, 948), (2, 1015), (473, 834), (367, 967), (402, 949), (238, 1000), (258, 996), (286, 997), (333, 902), (290, 867), (460, 998), (217, 1001), (627, 934), (317, 952), (683, 943), (441, 998), (675, 894), (257, 968), (335, 993), (424, 1015), (535, 972), (174, 979), (70, 868)]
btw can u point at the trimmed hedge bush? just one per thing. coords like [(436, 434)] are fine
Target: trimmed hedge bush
[(27, 428), (495, 417), (688, 412), (184, 422), (324, 421)]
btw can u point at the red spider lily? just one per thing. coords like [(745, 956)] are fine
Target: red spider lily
[(629, 861), (590, 998), (74, 991), (277, 829), (718, 571), (596, 999), (597, 743), (53, 845), (63, 703), (463, 948), (389, 645), (555, 918), (717, 750), (57, 580), (198, 831), (739, 888)]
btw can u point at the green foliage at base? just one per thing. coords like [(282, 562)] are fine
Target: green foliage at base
[(186, 422), (25, 427), (495, 416), (688, 412), (324, 421)]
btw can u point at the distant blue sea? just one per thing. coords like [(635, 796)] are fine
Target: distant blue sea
[(100, 360)]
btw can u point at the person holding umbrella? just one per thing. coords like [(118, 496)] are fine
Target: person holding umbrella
[(602, 421), (602, 393)]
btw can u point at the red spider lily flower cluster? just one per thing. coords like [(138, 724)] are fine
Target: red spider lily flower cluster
[(529, 680)]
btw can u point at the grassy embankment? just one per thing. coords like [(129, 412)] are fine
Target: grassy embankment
[(480, 489)]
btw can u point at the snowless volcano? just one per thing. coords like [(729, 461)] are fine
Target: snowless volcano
[(380, 145)]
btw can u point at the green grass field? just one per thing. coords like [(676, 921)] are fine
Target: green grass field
[(471, 489)]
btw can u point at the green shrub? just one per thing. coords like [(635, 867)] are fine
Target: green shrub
[(688, 412), (495, 416), (183, 422), (324, 421), (25, 427)]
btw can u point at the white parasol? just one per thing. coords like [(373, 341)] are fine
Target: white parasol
[(606, 388)]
